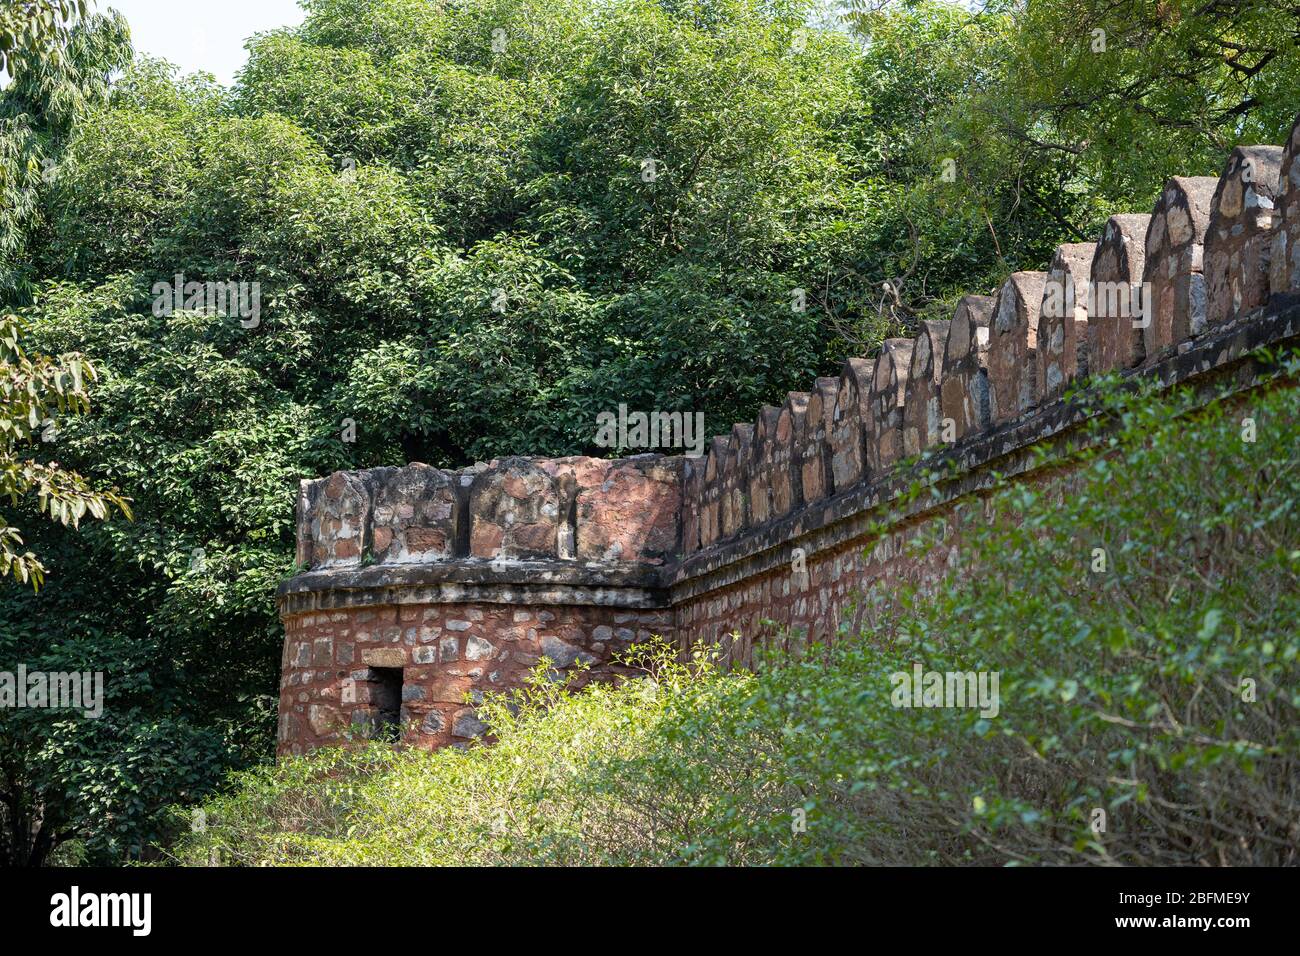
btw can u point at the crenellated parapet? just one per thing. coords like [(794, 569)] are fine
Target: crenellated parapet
[(1175, 259), (1013, 342), (787, 465), (849, 423), (626, 511), (1239, 238), (923, 393), (888, 397), (1116, 301), (1062, 352), (813, 441), (1153, 284), (1284, 259), (437, 585), (964, 382)]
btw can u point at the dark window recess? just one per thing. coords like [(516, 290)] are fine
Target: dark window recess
[(387, 700)]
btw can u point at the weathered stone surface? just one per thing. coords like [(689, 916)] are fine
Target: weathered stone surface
[(383, 657), (786, 495), (888, 394), (923, 396), (1284, 260), (304, 545), (624, 510), (812, 439), (1173, 271), (322, 652), (1239, 240), (563, 654), (1115, 296), (434, 723), (1063, 319), (515, 511), (734, 497), (324, 719), (711, 510), (414, 514), (340, 520), (1013, 340), (493, 652), (466, 724), (692, 503), (849, 424), (964, 388), (760, 465)]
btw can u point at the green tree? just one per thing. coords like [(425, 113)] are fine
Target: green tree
[(473, 227), (58, 73), (35, 27), (33, 389)]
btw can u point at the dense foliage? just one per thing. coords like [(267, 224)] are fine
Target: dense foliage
[(34, 388), (473, 226), (1147, 704)]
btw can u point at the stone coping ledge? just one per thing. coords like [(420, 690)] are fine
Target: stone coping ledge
[(470, 580)]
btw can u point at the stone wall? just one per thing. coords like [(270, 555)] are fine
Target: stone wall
[(422, 588), (447, 584)]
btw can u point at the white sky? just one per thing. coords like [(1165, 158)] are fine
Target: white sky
[(202, 34)]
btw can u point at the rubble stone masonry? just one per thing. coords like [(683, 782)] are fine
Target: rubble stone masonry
[(421, 589)]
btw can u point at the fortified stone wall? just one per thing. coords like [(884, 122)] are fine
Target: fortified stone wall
[(423, 588)]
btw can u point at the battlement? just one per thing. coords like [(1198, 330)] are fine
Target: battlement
[(461, 580), (605, 513)]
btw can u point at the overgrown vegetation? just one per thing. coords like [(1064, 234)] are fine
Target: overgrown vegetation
[(459, 251), (1157, 685)]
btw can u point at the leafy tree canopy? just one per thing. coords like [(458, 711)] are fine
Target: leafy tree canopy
[(473, 225)]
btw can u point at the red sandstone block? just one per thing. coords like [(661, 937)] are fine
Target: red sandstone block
[(711, 512), (1284, 260), (625, 510), (340, 520), (448, 690), (760, 468), (1175, 256), (812, 440), (784, 456), (1013, 337), (514, 508), (1063, 319), (325, 719), (414, 514), (922, 412), (383, 657), (1115, 295), (1239, 241), (964, 387), (888, 395), (849, 424), (733, 499), (692, 504)]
